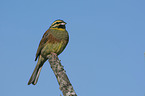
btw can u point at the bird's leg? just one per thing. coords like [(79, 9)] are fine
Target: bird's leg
[(54, 54)]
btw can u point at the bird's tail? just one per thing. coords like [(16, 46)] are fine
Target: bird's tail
[(36, 72)]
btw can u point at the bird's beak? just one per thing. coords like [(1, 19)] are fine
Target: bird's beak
[(63, 23)]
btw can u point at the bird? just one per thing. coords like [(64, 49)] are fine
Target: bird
[(54, 40)]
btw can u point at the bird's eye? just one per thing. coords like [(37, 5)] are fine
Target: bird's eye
[(57, 22)]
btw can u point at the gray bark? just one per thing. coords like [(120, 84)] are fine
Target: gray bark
[(64, 84)]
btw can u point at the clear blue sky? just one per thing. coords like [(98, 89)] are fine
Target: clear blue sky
[(104, 57)]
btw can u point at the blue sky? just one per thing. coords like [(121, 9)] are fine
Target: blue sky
[(104, 57)]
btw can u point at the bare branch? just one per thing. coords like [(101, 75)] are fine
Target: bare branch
[(64, 84)]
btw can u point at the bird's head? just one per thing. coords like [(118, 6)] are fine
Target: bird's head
[(60, 24)]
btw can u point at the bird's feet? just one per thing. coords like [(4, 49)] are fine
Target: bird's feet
[(54, 54)]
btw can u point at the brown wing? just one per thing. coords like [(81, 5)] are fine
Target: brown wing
[(42, 43)]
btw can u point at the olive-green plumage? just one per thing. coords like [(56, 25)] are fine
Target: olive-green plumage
[(54, 40)]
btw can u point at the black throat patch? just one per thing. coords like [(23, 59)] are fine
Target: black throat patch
[(61, 26)]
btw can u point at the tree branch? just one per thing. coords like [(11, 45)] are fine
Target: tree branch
[(64, 84)]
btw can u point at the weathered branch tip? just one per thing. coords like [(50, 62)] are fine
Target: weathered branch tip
[(64, 84)]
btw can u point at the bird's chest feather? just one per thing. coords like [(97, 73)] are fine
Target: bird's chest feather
[(56, 43), (56, 47), (59, 34)]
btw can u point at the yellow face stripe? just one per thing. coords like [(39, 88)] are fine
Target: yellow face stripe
[(58, 24), (57, 21), (58, 29)]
